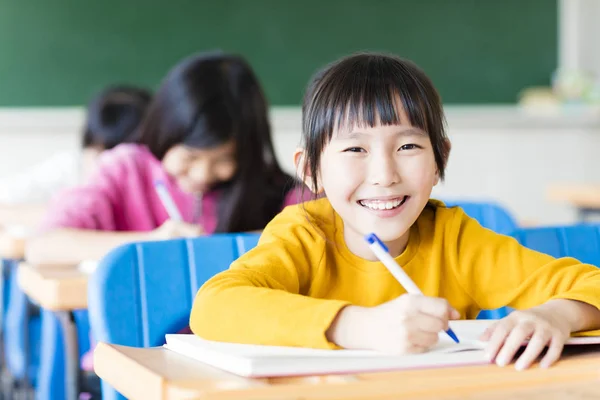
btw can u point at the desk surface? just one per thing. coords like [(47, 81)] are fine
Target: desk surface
[(158, 373), (580, 196), (54, 288), (12, 246)]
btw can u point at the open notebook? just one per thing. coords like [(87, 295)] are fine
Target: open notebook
[(268, 361)]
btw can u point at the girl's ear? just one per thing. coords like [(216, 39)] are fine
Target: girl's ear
[(447, 147), (303, 172), (436, 178)]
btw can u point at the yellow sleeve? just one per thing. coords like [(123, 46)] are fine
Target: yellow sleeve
[(495, 270), (261, 298)]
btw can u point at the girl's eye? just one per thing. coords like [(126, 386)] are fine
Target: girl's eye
[(409, 147), (354, 150)]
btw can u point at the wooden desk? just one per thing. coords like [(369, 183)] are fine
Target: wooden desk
[(585, 198), (54, 288), (12, 246), (158, 373), (61, 290)]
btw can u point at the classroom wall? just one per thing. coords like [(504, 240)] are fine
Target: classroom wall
[(579, 32), (498, 152)]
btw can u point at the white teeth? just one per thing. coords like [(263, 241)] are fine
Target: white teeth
[(381, 205)]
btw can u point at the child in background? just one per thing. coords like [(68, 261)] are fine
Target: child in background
[(112, 117), (207, 138), (374, 143)]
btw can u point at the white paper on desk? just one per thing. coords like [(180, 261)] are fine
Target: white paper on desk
[(88, 266), (269, 361), (261, 361), (19, 231)]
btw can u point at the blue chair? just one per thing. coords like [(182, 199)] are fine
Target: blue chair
[(21, 334), (578, 241), (51, 371), (489, 215), (496, 218), (142, 291)]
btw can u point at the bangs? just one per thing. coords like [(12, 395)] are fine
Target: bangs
[(366, 92), (212, 127)]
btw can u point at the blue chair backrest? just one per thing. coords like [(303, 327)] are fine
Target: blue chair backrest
[(496, 218), (142, 291), (489, 215), (578, 241)]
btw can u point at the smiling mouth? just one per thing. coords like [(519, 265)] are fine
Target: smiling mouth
[(388, 204)]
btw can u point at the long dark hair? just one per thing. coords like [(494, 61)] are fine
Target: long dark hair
[(205, 101), (113, 115), (364, 89)]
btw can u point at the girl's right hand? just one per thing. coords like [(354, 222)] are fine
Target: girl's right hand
[(172, 229), (407, 324)]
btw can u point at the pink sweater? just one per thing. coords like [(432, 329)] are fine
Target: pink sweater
[(120, 196)]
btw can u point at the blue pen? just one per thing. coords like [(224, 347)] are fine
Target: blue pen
[(382, 253)]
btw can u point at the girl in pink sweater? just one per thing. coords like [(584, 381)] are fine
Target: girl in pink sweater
[(206, 136)]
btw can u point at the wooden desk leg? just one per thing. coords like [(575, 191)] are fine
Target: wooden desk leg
[(582, 214), (586, 214), (69, 328)]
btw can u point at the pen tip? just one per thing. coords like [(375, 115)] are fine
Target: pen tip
[(452, 335)]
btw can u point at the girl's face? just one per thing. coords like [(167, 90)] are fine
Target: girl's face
[(378, 179), (198, 170)]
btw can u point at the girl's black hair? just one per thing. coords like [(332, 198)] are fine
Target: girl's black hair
[(205, 101), (113, 115), (364, 89)]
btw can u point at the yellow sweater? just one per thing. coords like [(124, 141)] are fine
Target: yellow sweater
[(288, 289)]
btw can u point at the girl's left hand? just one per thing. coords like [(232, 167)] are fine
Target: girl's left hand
[(539, 326)]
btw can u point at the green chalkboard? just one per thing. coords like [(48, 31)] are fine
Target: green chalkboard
[(58, 52)]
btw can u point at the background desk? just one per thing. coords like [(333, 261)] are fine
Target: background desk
[(584, 198), (158, 373), (54, 288), (61, 290), (11, 246)]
